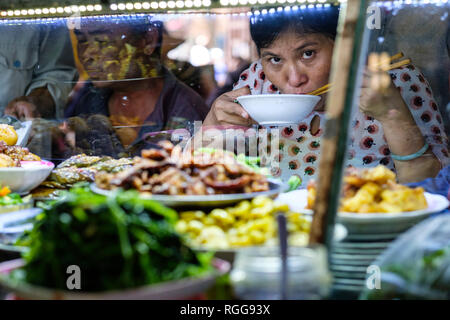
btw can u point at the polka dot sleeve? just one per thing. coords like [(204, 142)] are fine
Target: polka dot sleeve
[(256, 80), (418, 96)]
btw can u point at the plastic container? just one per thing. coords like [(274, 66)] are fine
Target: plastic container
[(257, 274)]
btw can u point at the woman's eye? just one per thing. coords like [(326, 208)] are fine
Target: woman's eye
[(308, 54), (275, 60)]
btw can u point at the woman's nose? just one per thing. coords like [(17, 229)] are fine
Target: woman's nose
[(296, 77)]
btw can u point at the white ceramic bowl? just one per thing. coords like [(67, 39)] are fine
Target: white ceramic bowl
[(24, 179), (278, 109)]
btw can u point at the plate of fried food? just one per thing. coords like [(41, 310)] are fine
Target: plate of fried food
[(76, 169), (21, 170), (373, 201), (185, 178)]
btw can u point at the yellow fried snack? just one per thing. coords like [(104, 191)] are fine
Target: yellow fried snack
[(402, 199), (363, 201), (248, 223), (375, 191), (6, 161), (380, 174), (8, 134)]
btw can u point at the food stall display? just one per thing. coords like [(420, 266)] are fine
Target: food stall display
[(105, 191)]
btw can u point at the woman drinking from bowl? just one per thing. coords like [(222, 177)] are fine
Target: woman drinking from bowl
[(403, 130)]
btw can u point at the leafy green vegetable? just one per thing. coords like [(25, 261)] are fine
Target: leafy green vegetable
[(120, 241), (11, 199), (252, 162), (294, 182), (421, 278)]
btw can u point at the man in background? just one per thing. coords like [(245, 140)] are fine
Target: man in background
[(36, 69)]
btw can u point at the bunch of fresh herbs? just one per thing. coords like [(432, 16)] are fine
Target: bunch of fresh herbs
[(120, 241)]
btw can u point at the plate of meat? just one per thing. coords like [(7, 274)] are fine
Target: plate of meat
[(176, 178)]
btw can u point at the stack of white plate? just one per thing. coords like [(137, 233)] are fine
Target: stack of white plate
[(349, 264), (369, 234)]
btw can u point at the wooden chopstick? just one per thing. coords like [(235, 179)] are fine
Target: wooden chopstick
[(392, 58), (396, 56), (397, 64), (327, 87), (317, 91)]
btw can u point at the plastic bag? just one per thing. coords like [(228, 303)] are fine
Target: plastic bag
[(416, 265)]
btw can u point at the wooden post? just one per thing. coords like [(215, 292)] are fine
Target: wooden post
[(338, 112)]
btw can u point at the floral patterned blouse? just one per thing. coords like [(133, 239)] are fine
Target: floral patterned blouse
[(300, 150)]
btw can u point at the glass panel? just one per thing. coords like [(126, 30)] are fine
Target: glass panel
[(403, 101), (114, 85), (398, 133)]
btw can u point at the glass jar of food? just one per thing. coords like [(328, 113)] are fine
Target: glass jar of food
[(257, 273)]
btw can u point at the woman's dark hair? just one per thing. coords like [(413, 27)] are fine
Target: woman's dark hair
[(265, 28)]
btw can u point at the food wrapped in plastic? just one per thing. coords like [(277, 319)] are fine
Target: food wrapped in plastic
[(416, 265)]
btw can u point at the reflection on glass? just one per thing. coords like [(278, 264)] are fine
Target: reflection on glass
[(36, 68), (129, 92)]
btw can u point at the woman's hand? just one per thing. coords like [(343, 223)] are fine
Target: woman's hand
[(380, 99), (225, 111)]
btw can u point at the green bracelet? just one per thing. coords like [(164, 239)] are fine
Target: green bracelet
[(411, 156)]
